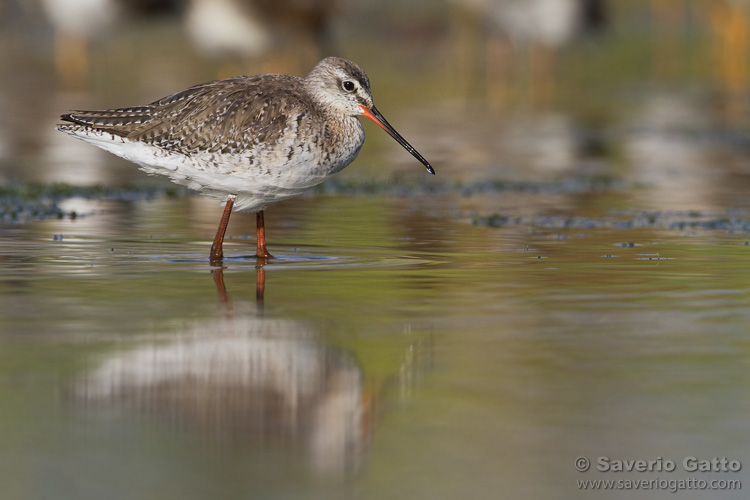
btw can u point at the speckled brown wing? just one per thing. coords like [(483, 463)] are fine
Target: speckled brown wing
[(223, 116)]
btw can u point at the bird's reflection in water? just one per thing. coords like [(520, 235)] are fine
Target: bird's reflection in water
[(260, 285), (244, 380)]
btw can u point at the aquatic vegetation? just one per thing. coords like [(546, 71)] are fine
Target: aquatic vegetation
[(734, 221), (27, 201)]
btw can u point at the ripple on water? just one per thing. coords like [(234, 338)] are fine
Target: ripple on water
[(286, 259)]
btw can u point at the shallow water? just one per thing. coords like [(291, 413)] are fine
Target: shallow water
[(425, 356), (572, 283)]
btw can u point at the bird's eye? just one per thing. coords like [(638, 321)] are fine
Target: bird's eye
[(348, 85)]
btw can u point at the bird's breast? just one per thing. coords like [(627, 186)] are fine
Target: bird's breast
[(318, 150)]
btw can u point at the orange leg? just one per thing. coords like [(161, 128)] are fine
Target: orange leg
[(261, 236), (217, 252)]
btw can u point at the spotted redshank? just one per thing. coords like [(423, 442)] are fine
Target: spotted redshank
[(249, 140)]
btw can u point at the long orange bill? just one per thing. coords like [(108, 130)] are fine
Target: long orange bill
[(374, 115)]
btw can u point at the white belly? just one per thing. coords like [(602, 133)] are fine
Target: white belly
[(274, 174)]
